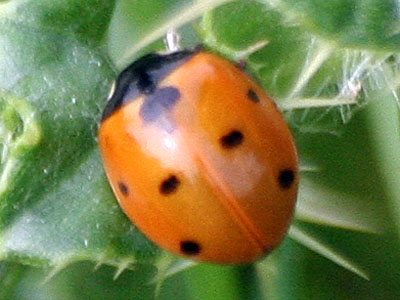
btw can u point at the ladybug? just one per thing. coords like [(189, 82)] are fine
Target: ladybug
[(199, 157)]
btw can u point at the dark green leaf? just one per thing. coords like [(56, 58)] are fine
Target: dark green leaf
[(55, 202), (367, 24)]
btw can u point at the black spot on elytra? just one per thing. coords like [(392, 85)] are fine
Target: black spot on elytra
[(232, 139), (286, 178), (143, 77), (123, 188), (253, 95), (169, 185), (190, 248), (158, 103)]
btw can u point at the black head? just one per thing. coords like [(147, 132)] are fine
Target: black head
[(142, 77)]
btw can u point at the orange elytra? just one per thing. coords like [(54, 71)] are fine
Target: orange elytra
[(199, 157)]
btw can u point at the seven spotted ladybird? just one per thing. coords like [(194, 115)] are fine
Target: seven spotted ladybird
[(199, 157)]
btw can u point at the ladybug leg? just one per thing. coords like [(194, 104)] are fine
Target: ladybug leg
[(172, 41), (241, 64)]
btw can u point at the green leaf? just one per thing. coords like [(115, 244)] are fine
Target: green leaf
[(154, 18), (68, 224), (367, 24), (59, 16), (56, 205), (78, 281)]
